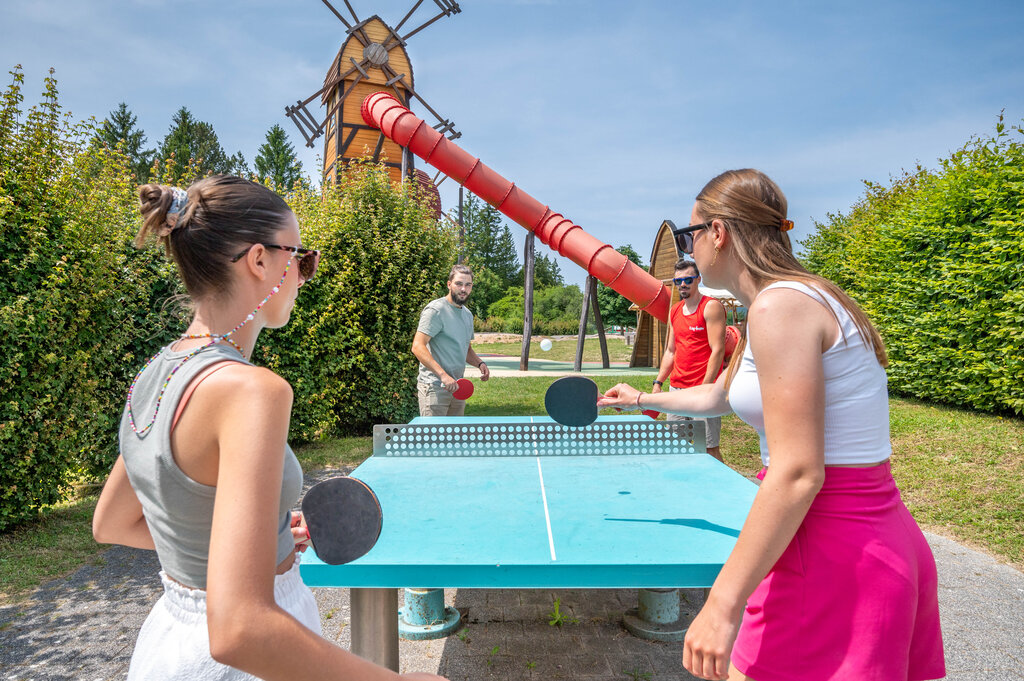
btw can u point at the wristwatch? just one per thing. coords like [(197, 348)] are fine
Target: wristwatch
[(658, 382), (480, 364)]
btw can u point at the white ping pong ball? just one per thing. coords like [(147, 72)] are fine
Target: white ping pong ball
[(545, 344)]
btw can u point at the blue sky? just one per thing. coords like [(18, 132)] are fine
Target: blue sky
[(613, 113)]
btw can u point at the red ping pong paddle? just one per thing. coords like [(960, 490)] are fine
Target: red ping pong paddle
[(652, 413), (343, 518), (465, 389), (572, 401)]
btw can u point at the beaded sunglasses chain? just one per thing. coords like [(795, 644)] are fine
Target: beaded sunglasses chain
[(214, 339)]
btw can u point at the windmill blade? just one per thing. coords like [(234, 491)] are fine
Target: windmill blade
[(304, 120), (306, 127), (448, 125), (406, 17), (449, 7), (437, 182), (351, 11), (338, 14), (354, 30)]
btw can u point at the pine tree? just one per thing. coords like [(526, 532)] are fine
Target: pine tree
[(614, 307), (119, 128), (189, 138), (489, 242), (546, 272), (276, 160)]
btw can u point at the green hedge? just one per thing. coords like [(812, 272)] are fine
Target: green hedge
[(79, 307), (936, 261), (348, 348)]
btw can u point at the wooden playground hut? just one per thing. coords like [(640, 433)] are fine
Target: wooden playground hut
[(651, 333)]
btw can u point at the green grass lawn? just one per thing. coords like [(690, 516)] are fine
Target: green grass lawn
[(961, 474), (561, 350)]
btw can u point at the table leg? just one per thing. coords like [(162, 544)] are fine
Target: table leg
[(375, 625)]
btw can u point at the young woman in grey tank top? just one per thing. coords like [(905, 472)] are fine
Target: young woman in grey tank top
[(215, 463)]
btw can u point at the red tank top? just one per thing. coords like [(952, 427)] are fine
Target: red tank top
[(692, 349)]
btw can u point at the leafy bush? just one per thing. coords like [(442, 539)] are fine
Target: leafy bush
[(936, 260), (348, 349), (79, 307)]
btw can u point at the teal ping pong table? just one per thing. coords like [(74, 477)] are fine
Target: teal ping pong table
[(523, 502)]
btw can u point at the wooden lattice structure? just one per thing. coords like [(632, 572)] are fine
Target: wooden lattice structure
[(651, 333)]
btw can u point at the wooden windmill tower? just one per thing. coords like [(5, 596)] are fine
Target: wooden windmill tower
[(372, 58)]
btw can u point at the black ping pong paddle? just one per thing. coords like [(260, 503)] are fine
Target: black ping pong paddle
[(572, 401), (343, 517)]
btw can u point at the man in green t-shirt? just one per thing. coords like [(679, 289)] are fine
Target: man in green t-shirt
[(442, 345)]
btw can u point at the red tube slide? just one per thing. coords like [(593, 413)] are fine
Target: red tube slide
[(381, 110)]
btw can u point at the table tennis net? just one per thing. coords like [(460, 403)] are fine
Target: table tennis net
[(622, 437)]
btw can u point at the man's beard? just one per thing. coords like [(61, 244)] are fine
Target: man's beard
[(460, 298)]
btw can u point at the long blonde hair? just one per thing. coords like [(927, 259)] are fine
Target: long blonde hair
[(753, 209)]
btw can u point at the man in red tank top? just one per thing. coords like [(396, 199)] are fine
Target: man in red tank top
[(695, 349)]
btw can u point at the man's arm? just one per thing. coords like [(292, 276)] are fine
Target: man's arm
[(422, 352), (714, 322), (667, 360), (474, 359)]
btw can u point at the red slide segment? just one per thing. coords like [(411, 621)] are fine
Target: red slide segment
[(381, 110)]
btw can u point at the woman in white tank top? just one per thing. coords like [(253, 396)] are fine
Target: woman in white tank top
[(830, 577)]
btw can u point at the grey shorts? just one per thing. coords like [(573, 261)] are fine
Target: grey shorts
[(712, 425), (436, 401)]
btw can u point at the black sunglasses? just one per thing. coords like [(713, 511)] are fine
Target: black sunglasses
[(684, 236), (309, 259), (679, 281)]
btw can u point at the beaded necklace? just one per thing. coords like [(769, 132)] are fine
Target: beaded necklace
[(214, 339)]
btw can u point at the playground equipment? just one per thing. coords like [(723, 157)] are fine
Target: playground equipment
[(372, 58), (383, 111)]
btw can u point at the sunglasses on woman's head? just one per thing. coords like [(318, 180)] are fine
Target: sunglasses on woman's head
[(684, 236), (309, 259)]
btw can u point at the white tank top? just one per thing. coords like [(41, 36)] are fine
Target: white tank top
[(856, 393)]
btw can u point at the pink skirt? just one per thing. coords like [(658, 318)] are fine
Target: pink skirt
[(854, 595)]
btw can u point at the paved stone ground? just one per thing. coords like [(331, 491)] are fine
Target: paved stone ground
[(83, 626)]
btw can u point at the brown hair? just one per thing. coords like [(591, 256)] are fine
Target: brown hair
[(753, 209), (222, 216), (684, 264), (459, 269)]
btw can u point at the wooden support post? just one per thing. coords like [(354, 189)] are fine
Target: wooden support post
[(584, 313), (524, 355), (462, 230), (600, 327)]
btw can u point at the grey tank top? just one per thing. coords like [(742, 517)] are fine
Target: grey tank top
[(179, 510)]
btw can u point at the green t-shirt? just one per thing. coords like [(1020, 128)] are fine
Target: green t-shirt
[(450, 329)]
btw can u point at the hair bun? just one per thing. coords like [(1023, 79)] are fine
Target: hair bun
[(162, 207)]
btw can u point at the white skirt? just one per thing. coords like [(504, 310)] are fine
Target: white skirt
[(174, 643)]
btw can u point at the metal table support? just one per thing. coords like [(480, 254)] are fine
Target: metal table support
[(375, 625)]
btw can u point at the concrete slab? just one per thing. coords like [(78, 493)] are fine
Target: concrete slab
[(83, 626)]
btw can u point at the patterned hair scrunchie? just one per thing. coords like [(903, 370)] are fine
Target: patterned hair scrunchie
[(177, 207), (786, 225)]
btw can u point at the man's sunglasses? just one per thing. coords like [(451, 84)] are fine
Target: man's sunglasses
[(684, 236), (308, 258), (679, 281)]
